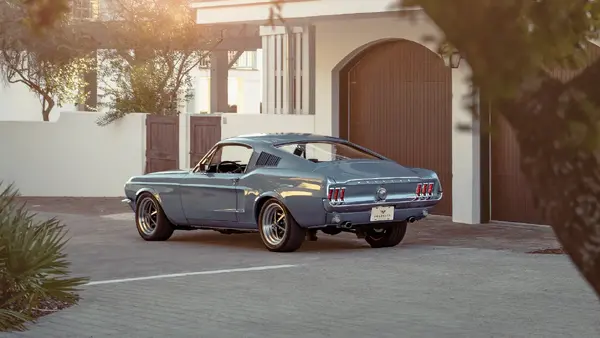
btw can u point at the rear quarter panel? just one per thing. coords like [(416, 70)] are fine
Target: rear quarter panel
[(302, 192), (165, 188)]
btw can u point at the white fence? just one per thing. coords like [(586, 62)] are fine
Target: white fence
[(72, 156), (75, 157), (238, 124)]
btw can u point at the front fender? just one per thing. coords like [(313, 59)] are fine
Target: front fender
[(149, 190), (170, 208)]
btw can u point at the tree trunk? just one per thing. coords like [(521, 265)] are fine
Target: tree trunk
[(558, 137), (47, 105)]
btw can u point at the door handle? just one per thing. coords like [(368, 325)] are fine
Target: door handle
[(235, 180)]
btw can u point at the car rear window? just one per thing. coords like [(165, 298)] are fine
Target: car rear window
[(327, 151)]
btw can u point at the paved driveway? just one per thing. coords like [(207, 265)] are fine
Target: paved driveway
[(447, 280)]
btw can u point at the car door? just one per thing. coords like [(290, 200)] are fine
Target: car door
[(209, 197)]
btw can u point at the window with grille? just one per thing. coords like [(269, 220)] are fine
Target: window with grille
[(246, 61), (84, 9)]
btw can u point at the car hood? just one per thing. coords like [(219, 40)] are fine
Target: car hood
[(168, 172), (359, 169)]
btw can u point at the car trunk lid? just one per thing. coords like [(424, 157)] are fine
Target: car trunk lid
[(355, 182)]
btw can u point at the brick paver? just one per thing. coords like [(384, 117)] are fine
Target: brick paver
[(418, 292), (446, 280)]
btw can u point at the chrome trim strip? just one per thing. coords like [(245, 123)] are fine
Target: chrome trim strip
[(376, 203), (126, 200), (383, 180)]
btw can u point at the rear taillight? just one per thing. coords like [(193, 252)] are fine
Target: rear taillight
[(336, 194), (424, 189)]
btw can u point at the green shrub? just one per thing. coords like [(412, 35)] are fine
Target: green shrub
[(33, 267)]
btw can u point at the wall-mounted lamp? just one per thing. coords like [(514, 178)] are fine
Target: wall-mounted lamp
[(452, 60)]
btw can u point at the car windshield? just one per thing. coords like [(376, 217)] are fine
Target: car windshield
[(326, 151)]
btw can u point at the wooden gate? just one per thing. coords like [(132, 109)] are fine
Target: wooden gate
[(162, 143), (396, 99), (205, 131), (511, 196), (512, 199)]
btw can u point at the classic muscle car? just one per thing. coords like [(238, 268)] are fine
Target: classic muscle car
[(286, 187)]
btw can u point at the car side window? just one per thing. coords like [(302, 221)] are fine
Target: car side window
[(230, 158)]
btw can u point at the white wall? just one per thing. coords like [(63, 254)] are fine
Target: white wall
[(72, 156), (239, 124), (75, 157), (243, 89), (338, 41), (18, 103), (258, 10)]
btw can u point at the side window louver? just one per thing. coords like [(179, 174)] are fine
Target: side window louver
[(267, 160)]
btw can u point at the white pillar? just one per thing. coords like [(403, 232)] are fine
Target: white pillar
[(466, 177), (184, 141), (287, 70)]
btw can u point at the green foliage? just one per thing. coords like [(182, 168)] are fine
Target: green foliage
[(152, 86), (36, 15), (51, 65), (42, 14), (55, 81), (164, 44), (33, 266), (506, 43)]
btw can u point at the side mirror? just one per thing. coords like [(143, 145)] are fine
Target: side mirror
[(202, 167)]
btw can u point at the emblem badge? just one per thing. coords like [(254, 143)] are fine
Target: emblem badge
[(381, 194)]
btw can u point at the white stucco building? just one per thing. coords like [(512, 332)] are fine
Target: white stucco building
[(366, 75), (348, 68)]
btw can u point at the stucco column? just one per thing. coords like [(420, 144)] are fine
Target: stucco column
[(288, 69), (465, 152), (184, 141), (219, 74)]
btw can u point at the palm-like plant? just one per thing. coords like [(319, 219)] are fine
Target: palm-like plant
[(33, 266)]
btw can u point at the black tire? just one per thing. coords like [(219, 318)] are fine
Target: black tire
[(290, 240), (389, 236), (162, 230)]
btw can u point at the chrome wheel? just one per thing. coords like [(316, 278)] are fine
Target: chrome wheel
[(147, 216), (274, 224)]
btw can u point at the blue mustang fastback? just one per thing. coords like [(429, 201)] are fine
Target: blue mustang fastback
[(286, 187)]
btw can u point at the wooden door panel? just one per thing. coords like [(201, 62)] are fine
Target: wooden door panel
[(162, 143), (205, 131)]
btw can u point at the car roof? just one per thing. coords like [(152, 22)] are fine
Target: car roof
[(276, 138)]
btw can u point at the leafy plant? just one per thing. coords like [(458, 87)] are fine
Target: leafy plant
[(33, 265), (158, 45), (42, 14), (52, 65), (152, 86)]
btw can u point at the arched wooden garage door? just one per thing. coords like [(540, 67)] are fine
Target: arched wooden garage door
[(511, 197), (396, 98)]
